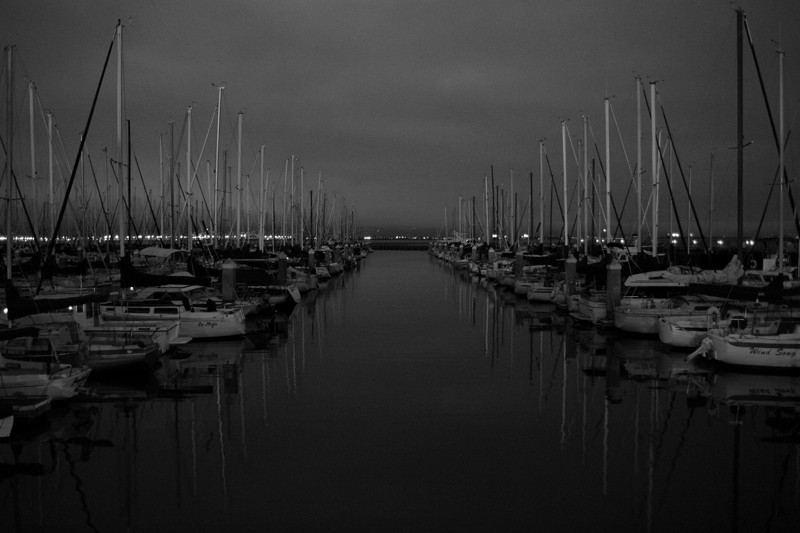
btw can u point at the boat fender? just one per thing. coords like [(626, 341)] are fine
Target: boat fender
[(753, 264)]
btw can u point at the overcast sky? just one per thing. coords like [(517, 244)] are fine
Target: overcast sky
[(402, 106)]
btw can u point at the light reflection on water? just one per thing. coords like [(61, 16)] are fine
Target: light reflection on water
[(405, 395)]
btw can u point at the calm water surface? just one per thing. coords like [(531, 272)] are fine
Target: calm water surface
[(407, 396)]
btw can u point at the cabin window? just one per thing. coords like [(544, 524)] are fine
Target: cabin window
[(166, 310)]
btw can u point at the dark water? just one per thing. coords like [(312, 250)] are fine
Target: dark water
[(406, 396)]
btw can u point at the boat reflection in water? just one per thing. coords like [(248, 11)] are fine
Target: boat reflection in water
[(410, 395)]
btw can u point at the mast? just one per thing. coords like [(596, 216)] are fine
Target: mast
[(530, 214), (130, 196), (273, 221), (261, 206), (780, 157), (493, 228), (585, 186), (460, 227), (711, 204), (541, 192), (513, 211), (608, 175), (639, 214), (283, 210), (488, 238), (189, 180), (161, 183), (50, 196), (9, 153), (121, 202), (564, 165), (472, 234), (739, 138), (238, 240), (689, 223), (172, 184), (291, 205), (301, 230), (33, 144), (654, 165), (318, 226), (214, 230)]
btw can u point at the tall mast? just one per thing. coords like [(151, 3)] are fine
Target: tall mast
[(530, 213), (460, 203), (564, 165), (639, 213), (283, 210), (302, 209), (740, 138), (513, 211), (654, 165), (291, 205), (711, 204), (318, 225), (585, 186), (541, 192), (488, 234), (50, 196), (161, 184), (780, 157), (130, 195), (171, 184), (261, 206), (215, 206), (121, 205), (608, 175), (189, 179), (689, 215), (9, 154), (33, 144), (238, 240), (493, 228)]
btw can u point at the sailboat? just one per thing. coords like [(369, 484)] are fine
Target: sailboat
[(776, 351)]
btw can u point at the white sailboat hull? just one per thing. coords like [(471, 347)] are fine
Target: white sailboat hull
[(780, 351)]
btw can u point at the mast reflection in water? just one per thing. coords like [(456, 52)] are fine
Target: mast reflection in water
[(406, 395)]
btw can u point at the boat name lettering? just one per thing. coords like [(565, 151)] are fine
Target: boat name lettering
[(209, 324), (777, 391), (778, 352)]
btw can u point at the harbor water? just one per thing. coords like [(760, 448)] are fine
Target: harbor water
[(407, 396)]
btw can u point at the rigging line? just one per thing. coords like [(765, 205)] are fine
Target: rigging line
[(631, 169), (668, 180), (685, 185), (203, 147), (51, 244), (13, 176), (598, 193), (619, 134), (127, 206), (553, 181), (674, 204), (574, 153), (147, 196), (766, 205), (619, 223), (100, 196), (771, 120)]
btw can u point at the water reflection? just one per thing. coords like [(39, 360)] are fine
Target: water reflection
[(408, 385)]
